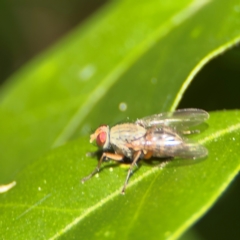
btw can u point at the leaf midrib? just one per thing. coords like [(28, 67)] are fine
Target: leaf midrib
[(181, 229)]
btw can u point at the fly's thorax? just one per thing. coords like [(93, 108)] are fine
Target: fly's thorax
[(126, 132), (123, 134)]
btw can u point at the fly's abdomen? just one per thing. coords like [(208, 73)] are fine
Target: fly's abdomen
[(162, 142), (165, 142)]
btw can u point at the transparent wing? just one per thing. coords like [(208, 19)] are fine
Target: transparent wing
[(190, 150), (182, 149), (177, 147), (164, 142), (180, 119)]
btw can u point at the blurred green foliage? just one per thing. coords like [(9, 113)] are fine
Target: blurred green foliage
[(133, 59), (29, 27)]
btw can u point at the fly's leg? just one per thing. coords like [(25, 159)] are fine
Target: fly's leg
[(116, 157), (136, 157)]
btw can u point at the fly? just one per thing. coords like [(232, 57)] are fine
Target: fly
[(160, 135)]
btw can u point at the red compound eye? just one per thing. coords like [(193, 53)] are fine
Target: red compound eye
[(101, 139)]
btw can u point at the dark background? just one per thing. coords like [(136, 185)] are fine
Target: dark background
[(27, 27)]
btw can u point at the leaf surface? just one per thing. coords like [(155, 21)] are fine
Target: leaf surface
[(50, 197), (106, 71)]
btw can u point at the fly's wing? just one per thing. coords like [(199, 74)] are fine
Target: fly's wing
[(189, 150), (181, 119), (165, 142), (170, 146)]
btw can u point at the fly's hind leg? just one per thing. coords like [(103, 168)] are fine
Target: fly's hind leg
[(116, 157), (135, 158)]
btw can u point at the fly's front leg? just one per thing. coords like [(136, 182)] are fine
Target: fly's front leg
[(135, 158), (116, 157)]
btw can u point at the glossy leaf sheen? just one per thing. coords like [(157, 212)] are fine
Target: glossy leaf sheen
[(78, 85), (71, 89), (50, 197)]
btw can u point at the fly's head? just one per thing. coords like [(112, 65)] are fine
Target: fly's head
[(101, 135)]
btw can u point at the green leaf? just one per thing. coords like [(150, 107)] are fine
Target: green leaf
[(139, 55), (70, 89), (166, 201)]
